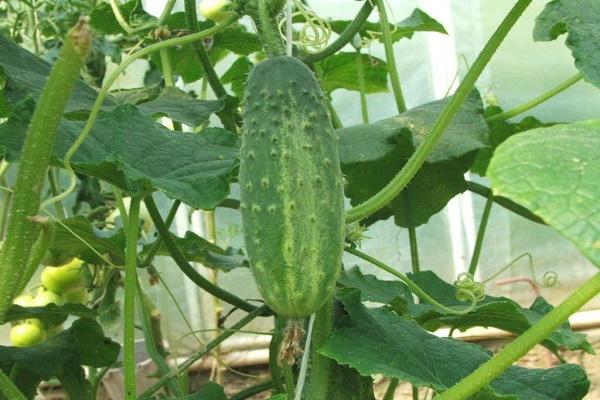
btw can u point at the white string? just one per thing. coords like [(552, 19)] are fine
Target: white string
[(305, 357), (289, 27)]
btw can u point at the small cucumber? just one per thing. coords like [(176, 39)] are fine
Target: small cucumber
[(291, 188)]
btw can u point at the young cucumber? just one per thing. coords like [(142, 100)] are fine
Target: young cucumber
[(291, 188)]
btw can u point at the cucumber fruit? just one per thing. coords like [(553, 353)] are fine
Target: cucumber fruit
[(291, 188)]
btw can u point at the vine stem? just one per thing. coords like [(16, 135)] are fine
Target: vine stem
[(129, 29), (103, 93), (413, 286), (481, 233), (22, 230), (538, 100), (414, 163), (345, 37), (186, 268), (388, 45), (211, 345), (129, 363), (9, 389), (491, 369), (361, 85)]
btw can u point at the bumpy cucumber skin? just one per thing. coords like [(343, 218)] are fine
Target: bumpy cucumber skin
[(291, 188)]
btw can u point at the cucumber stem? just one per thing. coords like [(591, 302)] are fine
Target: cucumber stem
[(322, 368), (37, 149), (129, 363)]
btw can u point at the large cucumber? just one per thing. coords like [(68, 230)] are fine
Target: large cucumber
[(291, 188)]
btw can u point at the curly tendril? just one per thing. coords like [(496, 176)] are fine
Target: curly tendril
[(315, 32), (468, 289), (549, 279)]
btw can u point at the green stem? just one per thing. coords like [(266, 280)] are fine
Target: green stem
[(268, 31), (412, 286), (209, 347), (103, 93), (491, 369), (37, 149), (345, 37), (185, 267), (391, 389), (38, 251), (129, 363), (361, 85), (415, 162), (481, 234), (166, 12), (537, 101), (388, 45), (158, 242), (290, 383), (274, 346), (210, 76), (167, 71), (9, 389), (152, 347), (97, 379), (322, 368), (253, 390), (504, 202)]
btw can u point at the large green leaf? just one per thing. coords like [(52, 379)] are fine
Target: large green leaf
[(554, 172), (27, 73), (379, 341), (340, 71), (418, 21), (372, 154), (130, 150), (62, 357), (580, 19)]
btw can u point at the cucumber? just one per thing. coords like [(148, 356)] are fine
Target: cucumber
[(291, 187)]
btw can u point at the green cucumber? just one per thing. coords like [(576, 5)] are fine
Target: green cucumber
[(291, 188)]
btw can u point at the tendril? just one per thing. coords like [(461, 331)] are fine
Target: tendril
[(315, 32), (549, 279), (468, 289)]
